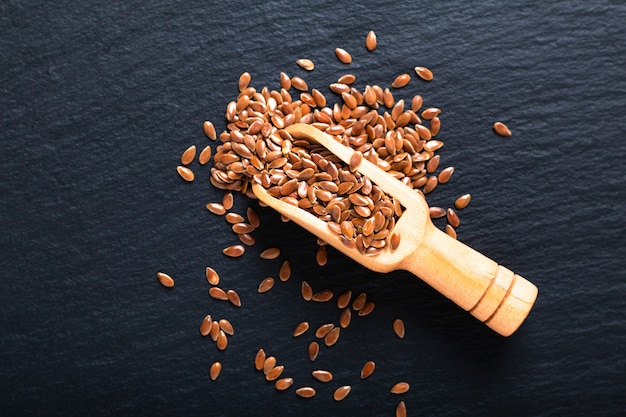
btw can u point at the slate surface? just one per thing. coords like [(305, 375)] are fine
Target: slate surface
[(97, 101)]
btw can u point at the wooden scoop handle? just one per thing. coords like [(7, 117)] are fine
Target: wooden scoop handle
[(490, 292)]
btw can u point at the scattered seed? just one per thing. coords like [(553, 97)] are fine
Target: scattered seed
[(301, 329), (209, 130), (222, 340), (205, 326), (228, 200), (394, 241), (444, 175), (285, 81), (359, 301), (344, 299), (226, 327), (233, 297), (234, 251), (306, 392), (205, 155), (274, 373), (216, 208), (285, 271), (218, 293), (435, 126), (368, 369), (269, 364), (322, 376), (215, 331), (283, 383), (189, 155), (343, 56), (450, 231), (437, 212), (401, 409), (299, 84), (344, 319), (322, 296), (424, 73), (370, 41), (342, 392), (501, 129), (247, 239), (313, 350), (332, 336), (307, 291), (270, 253), (347, 79), (398, 328), (259, 360), (165, 279), (368, 307), (401, 81), (266, 285), (452, 218), (306, 64), (234, 218), (462, 202), (430, 112), (185, 173), (323, 330), (216, 369), (253, 218), (244, 81), (321, 256), (400, 388)]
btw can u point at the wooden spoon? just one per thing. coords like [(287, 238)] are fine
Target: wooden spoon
[(490, 292)]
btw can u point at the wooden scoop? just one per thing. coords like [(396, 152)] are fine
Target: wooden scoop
[(490, 292)]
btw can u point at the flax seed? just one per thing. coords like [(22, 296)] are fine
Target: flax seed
[(247, 239), (283, 383), (435, 126), (253, 218), (322, 296), (445, 175), (344, 299), (424, 73), (301, 329), (226, 327), (205, 155), (234, 251), (344, 319), (285, 81), (234, 218), (165, 279), (306, 64), (205, 326), (228, 200), (332, 336), (215, 331), (209, 130), (355, 160), (401, 409), (244, 81), (266, 285), (307, 291), (259, 360), (306, 392), (370, 41), (269, 364), (323, 330), (400, 388), (218, 293), (299, 84), (359, 301), (222, 340), (274, 373), (437, 212), (285, 271), (343, 56), (347, 79), (322, 376), (313, 350), (453, 218), (368, 307), (321, 257), (189, 155), (185, 173), (462, 202), (233, 297), (216, 208), (342, 392), (216, 369), (394, 241), (450, 231), (501, 129), (368, 369), (270, 253), (398, 328), (401, 81)]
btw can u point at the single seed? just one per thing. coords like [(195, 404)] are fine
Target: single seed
[(450, 231), (270, 253), (424, 73), (398, 328), (323, 330), (226, 327), (307, 291), (234, 218), (400, 388), (259, 360), (313, 350), (269, 364), (347, 79), (394, 240), (322, 376), (435, 126), (218, 293), (185, 173), (205, 155), (370, 41), (266, 285), (165, 279), (444, 175), (368, 369), (332, 336), (344, 299), (453, 218), (301, 329), (283, 383), (209, 130), (285, 271), (436, 212), (344, 319), (233, 297), (306, 64), (401, 409), (401, 81), (216, 369), (416, 103), (299, 84), (306, 392), (228, 200), (343, 56), (246, 239), (430, 112), (285, 81), (205, 326), (234, 251), (188, 156), (359, 301), (253, 218), (368, 307), (322, 296), (341, 392), (462, 202), (274, 373), (222, 340), (244, 81), (215, 330), (355, 160), (321, 257), (501, 129), (216, 208)]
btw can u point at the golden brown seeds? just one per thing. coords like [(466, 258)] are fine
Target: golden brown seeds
[(323, 330), (301, 329), (341, 392), (359, 301), (332, 336), (222, 340), (233, 297), (216, 369), (185, 173), (398, 328), (430, 112), (205, 155), (246, 239), (209, 130), (435, 126), (344, 319), (242, 228), (226, 327), (306, 392), (322, 376), (347, 79), (270, 253), (501, 129), (431, 183), (462, 202), (283, 383), (253, 218), (401, 81), (216, 208), (452, 218), (234, 218), (343, 56), (285, 271), (394, 240), (259, 360), (218, 293), (368, 369), (244, 81), (400, 388), (285, 81), (274, 373), (228, 200), (416, 103), (306, 64), (370, 41), (424, 73), (368, 307), (269, 364), (215, 331), (355, 160), (307, 291), (445, 175), (344, 299), (321, 257), (188, 156), (313, 350), (299, 84), (322, 296), (234, 251), (401, 409), (205, 326), (165, 279), (450, 231), (266, 285)]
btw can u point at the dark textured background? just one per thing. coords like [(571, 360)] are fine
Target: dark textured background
[(99, 98)]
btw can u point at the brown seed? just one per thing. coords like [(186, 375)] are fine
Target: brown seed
[(322, 296), (205, 155), (401, 81), (394, 240), (228, 200), (321, 257), (462, 202), (400, 388), (501, 129), (450, 231), (299, 84), (332, 336), (355, 160), (430, 112), (216, 208), (205, 326), (435, 126), (347, 79), (269, 364), (401, 409), (215, 330), (274, 373), (253, 218), (188, 156), (247, 239), (453, 218), (344, 319), (370, 41), (234, 251), (266, 285), (209, 130), (218, 293), (233, 297), (301, 329), (344, 299), (283, 383), (313, 350), (323, 330), (444, 175), (165, 279), (216, 369), (259, 360), (244, 81), (270, 253), (341, 392), (368, 307), (359, 301), (368, 369), (234, 218), (285, 271), (322, 376), (431, 183), (398, 328), (306, 392), (343, 56), (185, 173), (307, 291), (222, 340), (306, 64), (424, 73), (285, 81)]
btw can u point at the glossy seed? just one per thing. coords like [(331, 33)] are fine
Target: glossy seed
[(344, 319), (355, 160), (222, 340), (436, 212), (501, 129), (368, 369), (445, 175), (283, 383), (341, 392), (216, 208), (430, 112), (274, 373), (321, 257), (313, 350), (285, 271), (218, 293), (435, 126), (368, 307), (424, 73), (306, 64), (400, 388), (462, 202), (205, 155), (322, 376), (322, 296), (215, 331), (188, 156), (228, 200), (266, 285), (398, 328), (301, 328), (253, 218), (216, 369), (401, 409), (269, 364), (394, 240), (359, 301), (270, 253), (401, 81), (165, 279), (450, 231), (344, 299), (307, 291), (205, 326), (306, 392), (227, 327), (259, 360), (323, 330), (234, 218), (209, 130), (285, 81), (332, 336), (185, 173), (370, 41), (233, 297), (244, 81), (299, 84), (453, 218), (234, 251), (347, 79), (343, 56)]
